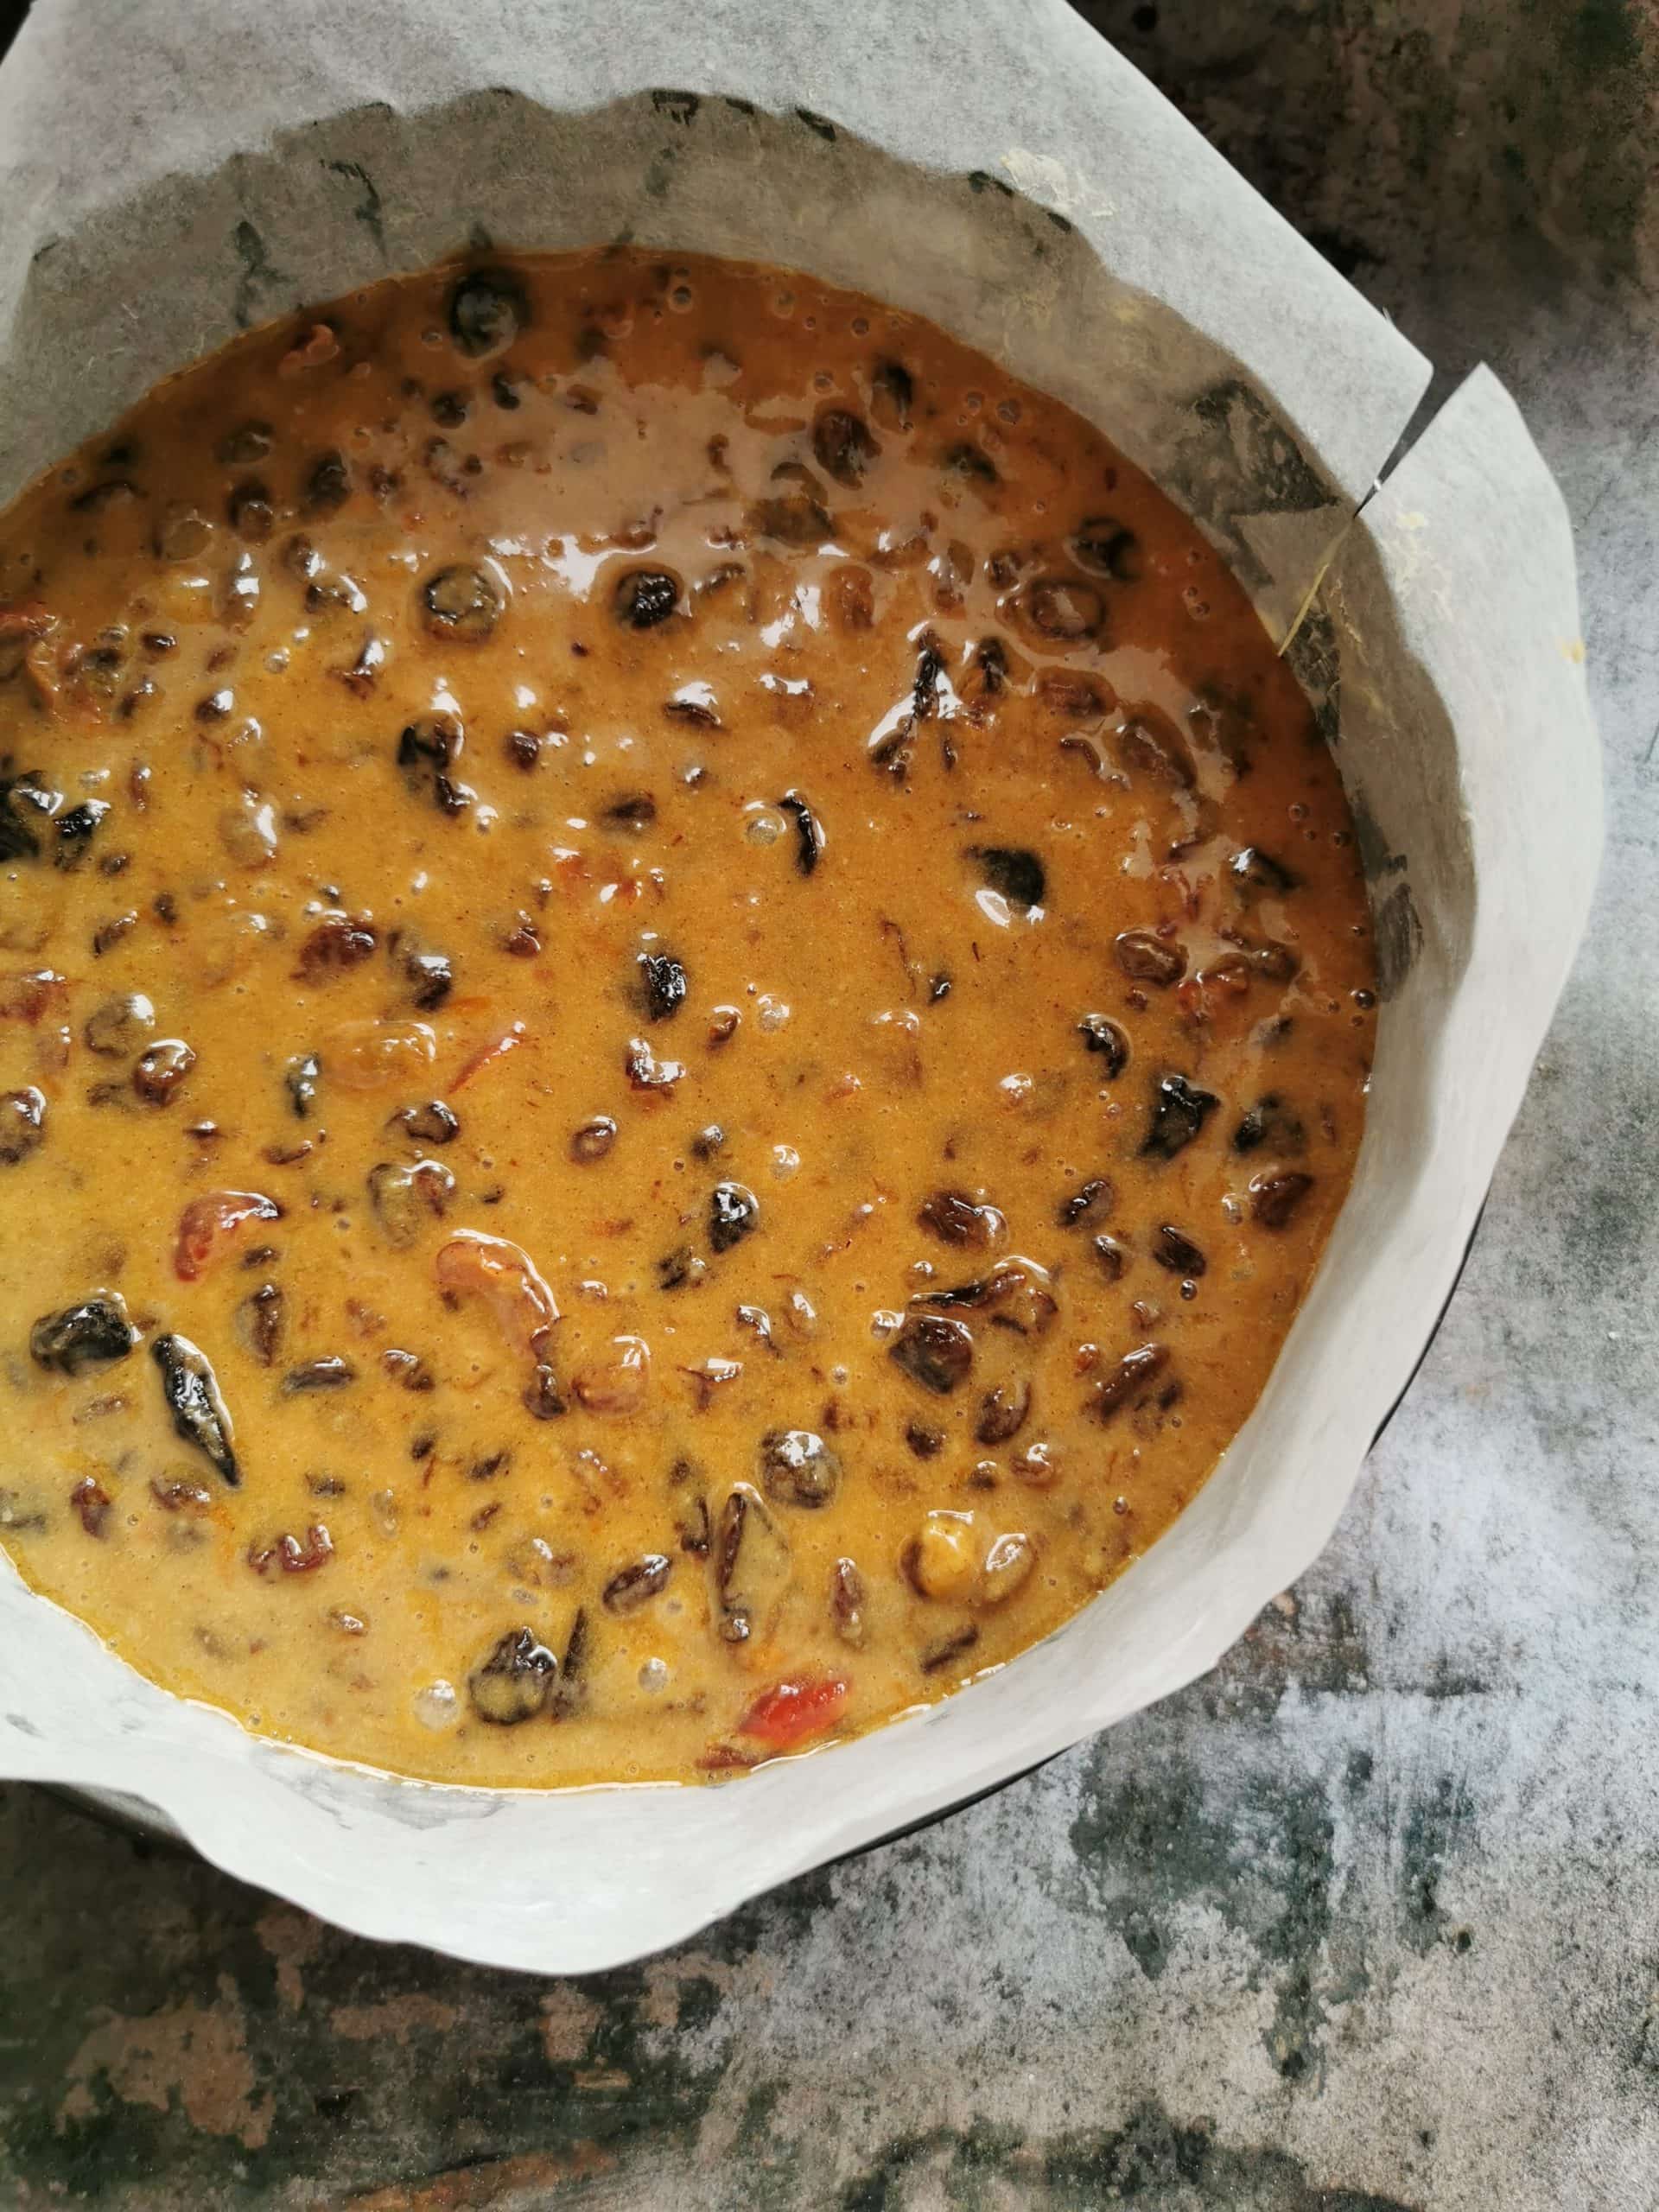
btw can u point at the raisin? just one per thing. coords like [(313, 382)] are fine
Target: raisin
[(92, 1333), (636, 813), (1179, 1111), (1112, 1256), (328, 486), (1089, 1204), (92, 1502), (843, 445), (250, 511), (430, 977), (1274, 1198), (1063, 609), (1272, 1124), (1106, 1037), (259, 1321), (637, 1585), (461, 602), (1145, 957), (809, 832), (1130, 1372), (76, 827), (427, 752), (893, 393), (847, 1600), (339, 943), (592, 1140), (798, 1468), (954, 1218), (22, 1125), (1172, 1249), (645, 597), (119, 1026), (487, 309), (160, 1069), (515, 1682), (1110, 548), (935, 1352), (925, 1443), (1012, 872), (300, 1081), (733, 1211), (971, 461), (191, 1391), (329, 1373), (1002, 1412), (1254, 871), (663, 985)]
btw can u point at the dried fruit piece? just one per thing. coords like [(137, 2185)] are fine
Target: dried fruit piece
[(942, 1560), (1062, 608), (892, 394), (1014, 873), (935, 1352), (1146, 957), (637, 1583), (1255, 872), (427, 749), (22, 1125), (503, 1278), (1274, 1198), (209, 1221), (1173, 1250), (463, 602), (843, 445), (259, 1323), (1132, 1371), (293, 1554), (1090, 1204), (407, 1198), (1008, 1568), (339, 943), (1002, 1412), (92, 1503), (374, 1055), (792, 1712), (620, 1385), (592, 1140), (329, 1373), (487, 309), (847, 1601), (955, 1218), (663, 985), (515, 1682), (119, 1026), (1107, 1041), (1179, 1111), (733, 1212), (1272, 1126), (809, 832), (798, 1468), (92, 1333), (199, 1412), (160, 1068), (431, 1122), (1110, 548), (645, 598), (751, 1564)]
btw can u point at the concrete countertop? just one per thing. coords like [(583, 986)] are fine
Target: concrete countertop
[(1368, 1920)]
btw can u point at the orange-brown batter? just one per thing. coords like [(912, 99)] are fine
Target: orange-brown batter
[(682, 1003)]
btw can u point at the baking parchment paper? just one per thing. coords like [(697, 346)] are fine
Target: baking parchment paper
[(178, 170)]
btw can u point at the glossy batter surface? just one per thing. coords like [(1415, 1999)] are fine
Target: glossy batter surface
[(682, 1003)]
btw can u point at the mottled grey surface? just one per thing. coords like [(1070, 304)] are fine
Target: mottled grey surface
[(1369, 1919)]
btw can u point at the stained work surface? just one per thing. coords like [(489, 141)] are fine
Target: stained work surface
[(1367, 1920)]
